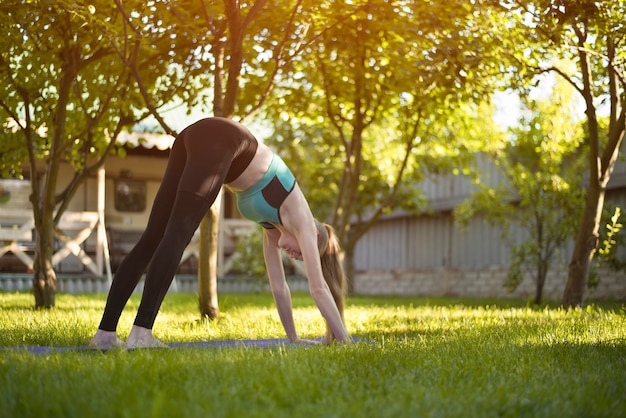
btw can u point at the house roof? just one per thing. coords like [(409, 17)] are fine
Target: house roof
[(146, 143)]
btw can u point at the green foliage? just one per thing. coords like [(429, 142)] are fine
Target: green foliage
[(248, 259), (612, 238), (542, 165), (59, 77), (419, 355), (384, 97), (612, 228), (515, 275), (541, 34), (12, 154), (61, 85)]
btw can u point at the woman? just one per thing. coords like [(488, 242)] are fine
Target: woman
[(206, 155)]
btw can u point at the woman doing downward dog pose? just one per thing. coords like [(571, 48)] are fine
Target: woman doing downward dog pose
[(206, 155)]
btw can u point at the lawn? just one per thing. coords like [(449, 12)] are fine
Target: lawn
[(419, 358)]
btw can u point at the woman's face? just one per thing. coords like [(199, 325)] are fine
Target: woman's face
[(288, 243)]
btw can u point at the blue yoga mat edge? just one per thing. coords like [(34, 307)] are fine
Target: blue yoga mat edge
[(260, 343)]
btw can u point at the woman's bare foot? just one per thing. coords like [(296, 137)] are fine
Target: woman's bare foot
[(105, 340), (142, 338)]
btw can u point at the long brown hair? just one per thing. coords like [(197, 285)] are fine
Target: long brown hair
[(332, 269)]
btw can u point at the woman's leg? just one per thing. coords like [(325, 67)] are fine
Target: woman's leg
[(134, 264), (186, 215), (208, 161)]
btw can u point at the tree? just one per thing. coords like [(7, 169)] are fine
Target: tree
[(72, 77), (59, 91), (245, 48), (381, 106), (590, 34), (173, 40), (542, 167), (116, 66)]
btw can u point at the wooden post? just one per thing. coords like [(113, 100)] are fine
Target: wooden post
[(102, 243)]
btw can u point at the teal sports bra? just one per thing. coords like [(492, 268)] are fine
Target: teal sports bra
[(261, 202)]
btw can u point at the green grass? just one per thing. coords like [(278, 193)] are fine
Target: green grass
[(425, 357)]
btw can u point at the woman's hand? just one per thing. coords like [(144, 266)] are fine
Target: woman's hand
[(305, 341)]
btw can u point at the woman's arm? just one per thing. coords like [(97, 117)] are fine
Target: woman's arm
[(319, 289), (278, 283), (298, 219)]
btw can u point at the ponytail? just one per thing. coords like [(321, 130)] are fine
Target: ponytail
[(332, 269)]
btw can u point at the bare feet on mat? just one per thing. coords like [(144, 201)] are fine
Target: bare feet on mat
[(105, 340), (142, 338)]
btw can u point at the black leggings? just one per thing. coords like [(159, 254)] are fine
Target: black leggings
[(198, 165)]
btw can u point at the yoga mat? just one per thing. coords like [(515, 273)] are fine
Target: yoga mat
[(262, 343)]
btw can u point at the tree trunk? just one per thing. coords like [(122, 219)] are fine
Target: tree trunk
[(541, 280), (44, 277), (349, 269), (44, 286), (601, 166), (207, 263), (584, 250)]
